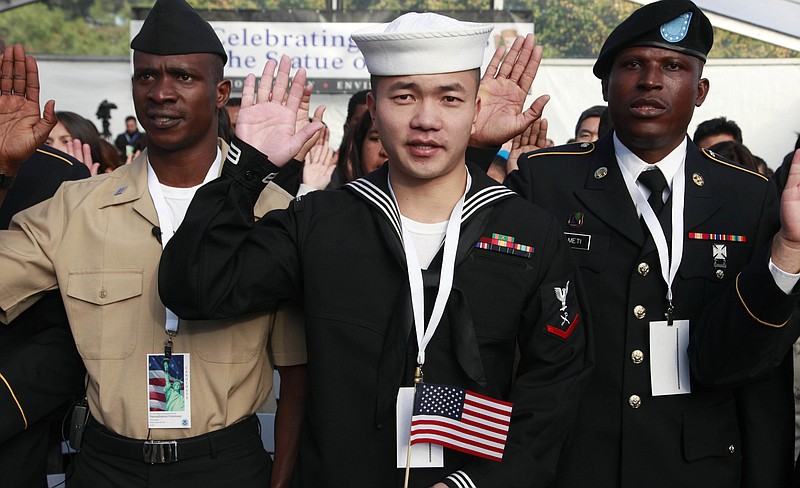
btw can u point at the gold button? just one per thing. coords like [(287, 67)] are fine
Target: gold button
[(639, 312), (634, 401), (698, 179), (731, 449), (643, 269), (103, 294), (720, 274), (637, 356)]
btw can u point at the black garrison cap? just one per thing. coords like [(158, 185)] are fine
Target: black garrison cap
[(174, 27), (677, 25)]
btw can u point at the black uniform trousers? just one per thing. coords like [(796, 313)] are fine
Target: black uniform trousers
[(232, 457)]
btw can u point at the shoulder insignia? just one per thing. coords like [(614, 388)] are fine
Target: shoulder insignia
[(574, 149), (719, 159)]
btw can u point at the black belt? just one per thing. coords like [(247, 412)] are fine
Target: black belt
[(161, 452)]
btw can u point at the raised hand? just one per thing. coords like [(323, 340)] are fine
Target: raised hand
[(131, 156), (786, 245), (302, 121), (268, 118), (22, 129), (533, 138), (503, 90), (319, 163), (83, 153)]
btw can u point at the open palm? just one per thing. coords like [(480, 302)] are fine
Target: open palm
[(22, 129)]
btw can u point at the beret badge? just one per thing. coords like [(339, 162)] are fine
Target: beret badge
[(676, 29)]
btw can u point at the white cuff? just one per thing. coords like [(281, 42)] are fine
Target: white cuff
[(785, 281), (305, 189)]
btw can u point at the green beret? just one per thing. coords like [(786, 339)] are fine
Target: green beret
[(677, 25), (174, 27)]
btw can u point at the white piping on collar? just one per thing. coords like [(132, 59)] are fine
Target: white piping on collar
[(386, 205)]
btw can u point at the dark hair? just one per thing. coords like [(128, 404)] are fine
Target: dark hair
[(83, 129), (349, 165), (130, 117), (736, 152), (720, 125), (224, 127), (762, 166), (358, 98), (109, 157), (606, 125), (217, 68), (595, 111)]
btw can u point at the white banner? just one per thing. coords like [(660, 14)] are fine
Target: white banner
[(324, 49)]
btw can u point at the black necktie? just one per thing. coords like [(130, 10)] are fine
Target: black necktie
[(655, 182)]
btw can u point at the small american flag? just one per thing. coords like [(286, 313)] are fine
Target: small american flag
[(460, 419)]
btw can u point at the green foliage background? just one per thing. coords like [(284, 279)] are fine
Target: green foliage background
[(566, 29)]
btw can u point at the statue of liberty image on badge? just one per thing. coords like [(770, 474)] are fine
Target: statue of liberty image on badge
[(168, 392)]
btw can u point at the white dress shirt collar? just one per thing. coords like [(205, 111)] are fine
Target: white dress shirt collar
[(669, 166)]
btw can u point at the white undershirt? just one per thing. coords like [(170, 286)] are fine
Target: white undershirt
[(178, 200), (171, 205), (427, 238)]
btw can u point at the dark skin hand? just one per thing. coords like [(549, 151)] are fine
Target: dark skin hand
[(22, 129)]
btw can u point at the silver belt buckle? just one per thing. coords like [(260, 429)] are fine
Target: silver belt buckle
[(160, 452)]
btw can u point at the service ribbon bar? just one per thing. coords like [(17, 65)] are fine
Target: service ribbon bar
[(501, 237), (717, 237), (504, 244)]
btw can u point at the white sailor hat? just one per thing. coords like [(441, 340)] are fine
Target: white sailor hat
[(422, 43)]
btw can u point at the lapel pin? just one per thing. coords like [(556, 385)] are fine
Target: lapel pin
[(698, 179), (575, 219), (720, 253), (121, 190), (601, 172)]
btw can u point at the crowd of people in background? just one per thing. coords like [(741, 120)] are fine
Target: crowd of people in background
[(566, 344)]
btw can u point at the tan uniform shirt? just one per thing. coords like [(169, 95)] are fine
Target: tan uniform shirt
[(94, 242)]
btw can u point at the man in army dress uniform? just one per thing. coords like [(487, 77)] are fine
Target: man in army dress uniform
[(675, 245)]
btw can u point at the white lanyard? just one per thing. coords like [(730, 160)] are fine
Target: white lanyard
[(166, 224), (669, 267), (451, 237)]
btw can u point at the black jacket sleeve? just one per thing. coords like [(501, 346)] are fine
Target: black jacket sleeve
[(40, 368), (747, 330), (220, 263)]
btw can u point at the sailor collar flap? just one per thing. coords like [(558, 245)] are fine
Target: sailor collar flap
[(374, 189)]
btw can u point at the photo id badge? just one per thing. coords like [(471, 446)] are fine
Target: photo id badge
[(669, 359), (422, 455), (168, 392)]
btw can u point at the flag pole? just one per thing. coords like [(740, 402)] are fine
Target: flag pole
[(417, 380)]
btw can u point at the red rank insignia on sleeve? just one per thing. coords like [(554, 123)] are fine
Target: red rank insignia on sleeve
[(560, 309)]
